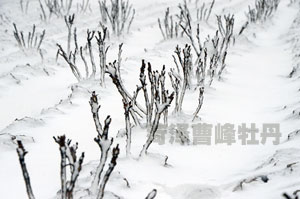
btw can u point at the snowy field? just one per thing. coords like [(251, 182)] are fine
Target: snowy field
[(246, 73)]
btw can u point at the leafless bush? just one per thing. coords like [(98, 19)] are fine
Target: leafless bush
[(169, 29), (184, 58), (68, 158), (185, 17), (160, 100), (84, 51), (226, 30), (137, 111), (33, 40), (119, 13), (210, 60), (157, 81), (21, 153), (156, 104), (204, 12), (262, 10), (59, 8), (104, 144)]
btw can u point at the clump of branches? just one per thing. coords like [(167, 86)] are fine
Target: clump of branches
[(226, 30), (59, 8), (160, 99), (104, 143), (119, 14), (21, 153), (136, 111), (156, 104), (210, 60), (33, 40), (170, 25), (181, 80), (85, 53), (185, 17), (68, 159), (262, 10), (204, 12)]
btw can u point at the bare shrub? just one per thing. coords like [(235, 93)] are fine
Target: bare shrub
[(262, 10), (33, 40), (85, 53), (204, 12), (119, 14), (68, 158)]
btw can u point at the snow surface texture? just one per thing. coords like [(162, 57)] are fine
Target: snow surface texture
[(41, 98)]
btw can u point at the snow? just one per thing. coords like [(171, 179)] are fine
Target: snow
[(40, 99)]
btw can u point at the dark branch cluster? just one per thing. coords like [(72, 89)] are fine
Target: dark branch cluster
[(204, 12), (119, 14), (85, 53), (33, 40), (68, 159), (262, 10), (59, 8), (104, 143), (170, 25)]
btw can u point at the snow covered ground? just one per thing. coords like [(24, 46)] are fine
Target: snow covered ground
[(40, 99)]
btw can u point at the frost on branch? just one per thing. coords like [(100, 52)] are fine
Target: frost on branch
[(95, 111), (104, 144), (21, 153), (68, 159), (102, 50), (111, 166), (69, 20)]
